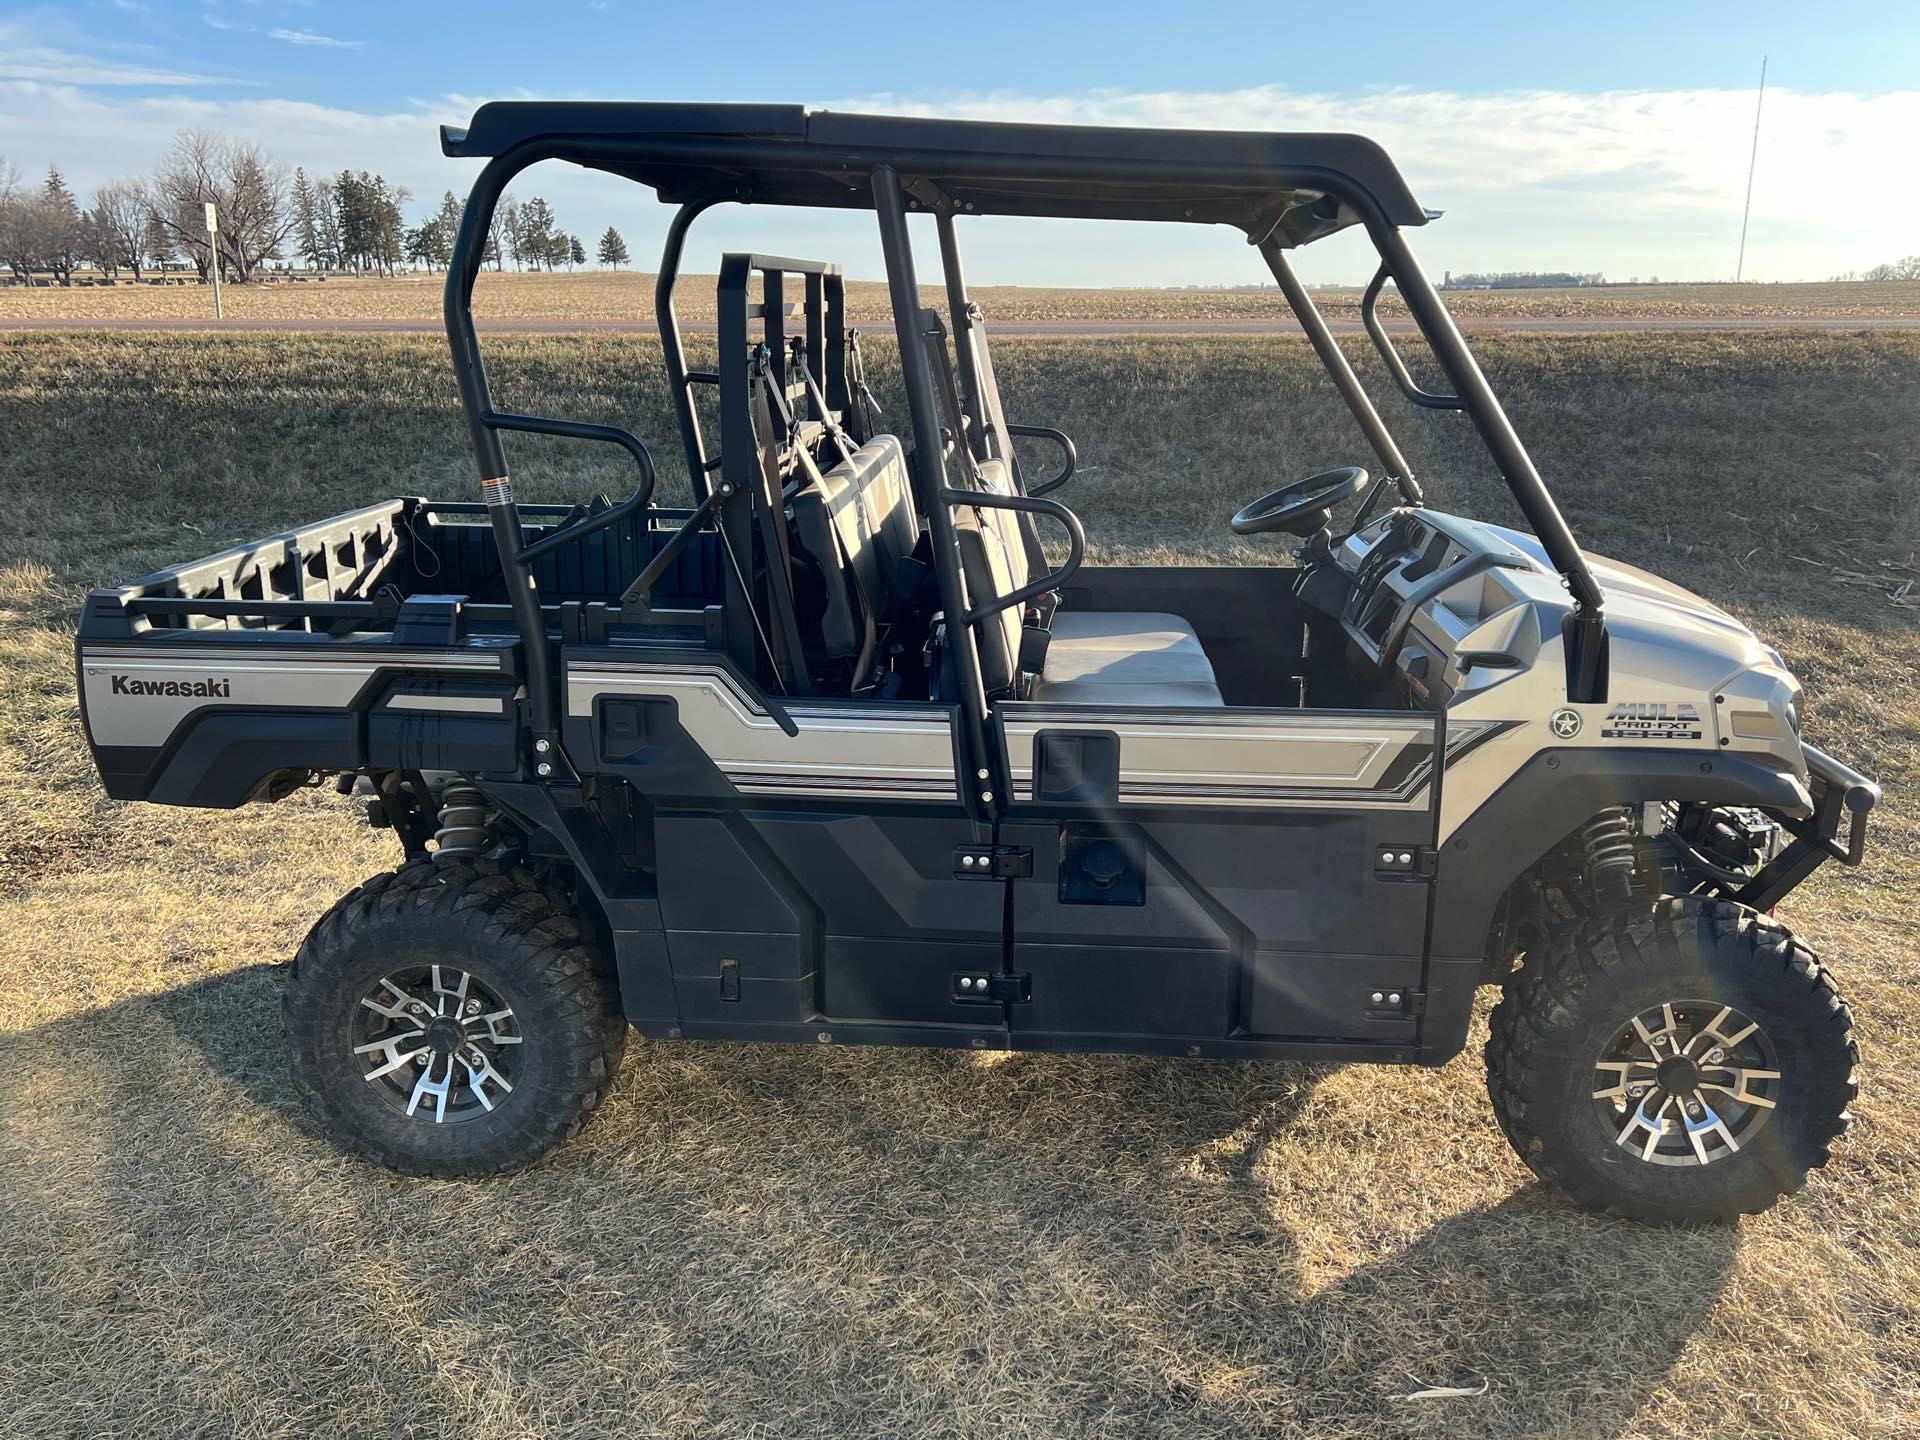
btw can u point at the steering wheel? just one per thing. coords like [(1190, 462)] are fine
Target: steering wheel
[(1302, 508)]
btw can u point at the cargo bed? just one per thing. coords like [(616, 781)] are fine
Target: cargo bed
[(379, 637)]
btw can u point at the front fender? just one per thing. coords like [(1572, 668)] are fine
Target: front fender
[(1555, 791)]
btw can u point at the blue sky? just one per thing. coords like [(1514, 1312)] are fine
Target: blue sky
[(1612, 140)]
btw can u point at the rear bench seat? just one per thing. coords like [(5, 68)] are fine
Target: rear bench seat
[(858, 518), (857, 521), (1095, 657)]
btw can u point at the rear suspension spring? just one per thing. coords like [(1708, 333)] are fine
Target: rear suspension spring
[(466, 820)]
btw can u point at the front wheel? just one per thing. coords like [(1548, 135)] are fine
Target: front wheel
[(1687, 1063), (452, 1019)]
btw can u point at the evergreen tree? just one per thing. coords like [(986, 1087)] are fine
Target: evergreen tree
[(576, 252), (158, 243), (350, 204), (326, 219), (389, 223), (448, 219), (373, 233), (62, 228), (537, 238), (513, 234), (613, 249), (423, 244), (306, 219)]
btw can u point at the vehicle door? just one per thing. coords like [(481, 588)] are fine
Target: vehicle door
[(1220, 874), (806, 878)]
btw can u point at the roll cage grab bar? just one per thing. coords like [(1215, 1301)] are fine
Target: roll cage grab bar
[(1585, 628)]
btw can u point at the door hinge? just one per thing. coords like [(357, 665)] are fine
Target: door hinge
[(1393, 1003), (992, 987), (993, 862), (1417, 861)]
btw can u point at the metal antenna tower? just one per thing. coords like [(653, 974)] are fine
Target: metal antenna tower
[(1753, 158)]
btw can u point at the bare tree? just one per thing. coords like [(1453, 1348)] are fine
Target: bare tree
[(14, 243), (121, 209), (1907, 269), (249, 190)]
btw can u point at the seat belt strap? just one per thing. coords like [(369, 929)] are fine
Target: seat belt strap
[(842, 441), (868, 407), (770, 504), (772, 464)]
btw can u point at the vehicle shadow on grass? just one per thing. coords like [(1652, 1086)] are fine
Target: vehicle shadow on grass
[(808, 1241)]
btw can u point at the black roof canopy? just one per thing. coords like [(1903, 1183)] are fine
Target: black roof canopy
[(1294, 187)]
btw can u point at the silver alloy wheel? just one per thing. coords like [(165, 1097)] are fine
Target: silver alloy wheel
[(1687, 1083), (437, 1040)]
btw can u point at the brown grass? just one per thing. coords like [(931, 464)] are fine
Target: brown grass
[(627, 296), (759, 1241)]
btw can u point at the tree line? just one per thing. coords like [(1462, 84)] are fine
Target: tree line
[(353, 222), (1907, 269), (1521, 280)]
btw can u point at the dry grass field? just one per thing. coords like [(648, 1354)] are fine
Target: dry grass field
[(827, 1242), (627, 296)]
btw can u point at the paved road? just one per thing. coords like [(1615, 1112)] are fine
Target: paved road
[(1562, 325)]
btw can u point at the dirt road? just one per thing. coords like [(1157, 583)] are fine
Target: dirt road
[(1566, 324)]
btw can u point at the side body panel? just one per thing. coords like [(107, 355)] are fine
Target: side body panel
[(807, 881), (206, 717), (1213, 875)]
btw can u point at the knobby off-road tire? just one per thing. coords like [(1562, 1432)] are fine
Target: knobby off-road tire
[(521, 949), (1564, 1008)]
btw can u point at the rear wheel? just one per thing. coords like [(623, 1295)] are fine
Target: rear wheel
[(452, 1019), (1687, 1063)]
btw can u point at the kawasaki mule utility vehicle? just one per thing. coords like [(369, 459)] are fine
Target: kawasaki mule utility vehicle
[(859, 750)]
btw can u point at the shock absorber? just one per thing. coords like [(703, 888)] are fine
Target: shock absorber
[(1607, 840), (465, 822)]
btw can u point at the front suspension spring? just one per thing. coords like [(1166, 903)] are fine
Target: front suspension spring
[(1607, 840)]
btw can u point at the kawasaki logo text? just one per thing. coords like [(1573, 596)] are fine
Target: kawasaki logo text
[(184, 689)]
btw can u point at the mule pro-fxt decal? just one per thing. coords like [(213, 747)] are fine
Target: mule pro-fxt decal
[(1651, 720)]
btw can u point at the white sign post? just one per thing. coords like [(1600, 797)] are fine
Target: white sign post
[(213, 256)]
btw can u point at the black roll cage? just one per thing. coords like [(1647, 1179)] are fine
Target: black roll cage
[(701, 156)]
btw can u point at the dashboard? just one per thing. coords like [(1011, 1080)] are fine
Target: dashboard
[(1410, 595)]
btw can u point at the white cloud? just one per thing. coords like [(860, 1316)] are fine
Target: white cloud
[(308, 37), (1627, 183), (1646, 182), (22, 59)]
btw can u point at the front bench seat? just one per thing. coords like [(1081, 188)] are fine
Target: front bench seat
[(1095, 657), (1125, 658)]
